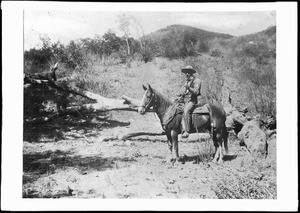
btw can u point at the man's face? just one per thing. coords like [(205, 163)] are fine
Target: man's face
[(188, 76)]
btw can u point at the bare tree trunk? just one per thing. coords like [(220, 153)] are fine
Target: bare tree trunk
[(131, 101), (128, 47), (102, 103)]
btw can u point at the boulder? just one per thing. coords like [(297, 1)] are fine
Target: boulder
[(235, 119), (253, 138)]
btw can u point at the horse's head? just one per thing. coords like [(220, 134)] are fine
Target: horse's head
[(149, 100)]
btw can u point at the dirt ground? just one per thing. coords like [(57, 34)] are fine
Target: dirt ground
[(79, 157), (87, 159)]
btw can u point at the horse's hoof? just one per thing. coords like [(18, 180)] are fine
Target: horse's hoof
[(182, 160), (220, 161), (172, 160)]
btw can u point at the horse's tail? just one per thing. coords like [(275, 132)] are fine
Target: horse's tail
[(218, 118)]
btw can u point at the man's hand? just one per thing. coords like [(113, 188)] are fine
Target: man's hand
[(187, 84)]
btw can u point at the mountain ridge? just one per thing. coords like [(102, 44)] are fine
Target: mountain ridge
[(186, 29)]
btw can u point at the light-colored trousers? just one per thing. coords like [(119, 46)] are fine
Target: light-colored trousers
[(187, 115)]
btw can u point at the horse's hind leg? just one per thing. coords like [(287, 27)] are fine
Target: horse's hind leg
[(216, 153), (217, 139), (225, 138), (213, 136)]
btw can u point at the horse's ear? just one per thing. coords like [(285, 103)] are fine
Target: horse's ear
[(150, 88), (145, 88)]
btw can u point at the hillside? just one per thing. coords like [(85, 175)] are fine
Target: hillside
[(177, 41), (244, 66), (183, 30)]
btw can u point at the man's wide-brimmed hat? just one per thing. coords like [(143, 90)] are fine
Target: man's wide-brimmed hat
[(188, 69)]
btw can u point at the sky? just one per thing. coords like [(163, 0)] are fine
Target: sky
[(66, 25)]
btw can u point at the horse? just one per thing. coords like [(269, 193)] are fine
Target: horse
[(213, 122)]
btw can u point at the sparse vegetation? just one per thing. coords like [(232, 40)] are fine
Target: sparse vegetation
[(112, 66), (246, 188), (251, 184)]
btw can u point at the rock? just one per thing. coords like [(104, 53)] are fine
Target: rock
[(254, 138), (271, 123), (234, 119)]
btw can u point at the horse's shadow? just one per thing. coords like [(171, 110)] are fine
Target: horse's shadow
[(229, 157), (196, 159)]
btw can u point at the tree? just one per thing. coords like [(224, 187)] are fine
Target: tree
[(124, 26), (38, 59), (111, 42)]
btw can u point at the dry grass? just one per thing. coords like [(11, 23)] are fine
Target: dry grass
[(205, 150), (252, 180), (249, 187)]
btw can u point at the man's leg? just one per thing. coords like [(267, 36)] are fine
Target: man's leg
[(187, 112)]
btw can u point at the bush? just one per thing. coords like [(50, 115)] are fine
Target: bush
[(216, 53), (202, 47), (205, 151), (40, 99), (211, 89), (259, 86)]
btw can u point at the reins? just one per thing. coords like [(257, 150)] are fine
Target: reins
[(146, 106)]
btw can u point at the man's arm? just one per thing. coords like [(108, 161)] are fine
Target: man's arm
[(197, 86)]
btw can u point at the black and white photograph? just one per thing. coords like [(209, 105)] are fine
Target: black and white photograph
[(163, 102)]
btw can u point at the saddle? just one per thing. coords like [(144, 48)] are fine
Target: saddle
[(177, 108), (201, 108)]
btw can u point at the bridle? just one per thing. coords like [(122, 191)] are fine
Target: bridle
[(153, 101)]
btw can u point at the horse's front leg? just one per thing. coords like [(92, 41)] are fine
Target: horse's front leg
[(174, 136), (170, 144)]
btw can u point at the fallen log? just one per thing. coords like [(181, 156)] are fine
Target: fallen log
[(102, 103), (131, 101)]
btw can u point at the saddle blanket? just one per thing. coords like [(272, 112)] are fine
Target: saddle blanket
[(201, 110)]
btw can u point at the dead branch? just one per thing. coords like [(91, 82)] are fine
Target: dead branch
[(135, 134)]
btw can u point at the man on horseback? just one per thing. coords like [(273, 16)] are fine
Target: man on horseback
[(188, 95)]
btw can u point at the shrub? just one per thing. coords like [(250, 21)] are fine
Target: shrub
[(259, 86), (202, 47), (205, 151), (216, 53), (40, 99), (212, 87)]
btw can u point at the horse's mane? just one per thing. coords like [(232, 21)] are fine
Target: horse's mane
[(165, 102)]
